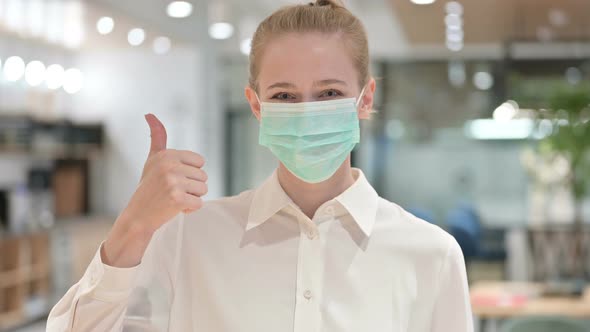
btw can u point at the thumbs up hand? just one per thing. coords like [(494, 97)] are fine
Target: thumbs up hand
[(177, 175), (172, 181)]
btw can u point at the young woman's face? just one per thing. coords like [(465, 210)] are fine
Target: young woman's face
[(302, 67)]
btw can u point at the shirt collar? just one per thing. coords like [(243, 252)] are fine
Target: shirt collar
[(360, 201), (268, 200)]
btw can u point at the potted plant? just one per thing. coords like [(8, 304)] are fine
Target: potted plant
[(569, 115)]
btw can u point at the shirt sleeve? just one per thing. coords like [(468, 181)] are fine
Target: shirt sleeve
[(452, 308), (107, 298)]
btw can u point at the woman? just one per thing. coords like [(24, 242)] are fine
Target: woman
[(312, 249)]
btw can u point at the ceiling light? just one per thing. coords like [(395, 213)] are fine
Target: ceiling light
[(456, 73), (453, 7), (506, 112), (54, 76), (483, 80), (558, 17), (544, 34), (179, 9), (136, 36), (454, 46), (73, 24), (162, 45), (36, 17), (455, 35), (453, 21), (423, 2), (105, 25), (14, 68), (221, 30), (490, 129), (35, 73), (73, 80)]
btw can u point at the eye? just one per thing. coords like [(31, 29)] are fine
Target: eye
[(283, 96), (332, 93)]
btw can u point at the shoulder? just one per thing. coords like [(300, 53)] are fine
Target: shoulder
[(417, 235)]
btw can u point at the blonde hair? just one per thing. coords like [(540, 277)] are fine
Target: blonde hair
[(325, 16)]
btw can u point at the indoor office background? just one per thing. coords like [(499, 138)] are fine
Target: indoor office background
[(481, 118)]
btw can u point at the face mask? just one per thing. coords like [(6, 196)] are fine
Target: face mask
[(312, 139)]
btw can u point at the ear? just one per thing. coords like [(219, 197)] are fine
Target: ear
[(253, 101), (366, 104)]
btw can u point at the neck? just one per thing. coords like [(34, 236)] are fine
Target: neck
[(310, 196)]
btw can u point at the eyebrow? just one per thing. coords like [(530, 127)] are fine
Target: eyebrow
[(290, 85), (329, 81)]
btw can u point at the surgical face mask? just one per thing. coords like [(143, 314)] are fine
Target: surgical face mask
[(312, 139)]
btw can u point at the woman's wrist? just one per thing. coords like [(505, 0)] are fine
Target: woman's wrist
[(126, 243)]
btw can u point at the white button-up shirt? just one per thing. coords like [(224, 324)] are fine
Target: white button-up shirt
[(255, 262)]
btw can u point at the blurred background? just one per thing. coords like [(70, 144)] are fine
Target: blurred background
[(482, 127)]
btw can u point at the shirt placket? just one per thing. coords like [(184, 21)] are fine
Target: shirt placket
[(308, 297)]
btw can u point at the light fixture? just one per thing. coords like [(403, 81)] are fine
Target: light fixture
[(454, 7), (36, 22), (221, 30), (14, 68), (14, 15), (423, 2), (54, 21), (490, 129), (453, 21), (544, 33), (506, 112), (455, 35), (179, 9), (73, 80), (35, 73), (454, 46), (54, 76), (454, 24), (73, 24), (161, 45), (456, 73), (483, 80), (246, 46), (105, 25), (558, 17), (136, 36)]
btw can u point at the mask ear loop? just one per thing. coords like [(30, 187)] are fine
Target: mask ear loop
[(361, 95)]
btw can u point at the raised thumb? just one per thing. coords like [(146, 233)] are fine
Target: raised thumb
[(157, 133)]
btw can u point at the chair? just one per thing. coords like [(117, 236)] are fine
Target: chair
[(475, 242), (545, 324)]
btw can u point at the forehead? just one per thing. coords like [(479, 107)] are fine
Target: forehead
[(302, 58)]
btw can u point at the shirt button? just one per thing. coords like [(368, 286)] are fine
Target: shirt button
[(311, 234), (307, 294)]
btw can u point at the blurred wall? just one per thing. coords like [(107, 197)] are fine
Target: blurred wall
[(124, 85)]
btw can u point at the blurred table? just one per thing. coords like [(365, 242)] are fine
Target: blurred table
[(492, 301)]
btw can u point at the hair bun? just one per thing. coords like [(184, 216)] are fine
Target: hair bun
[(331, 3)]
